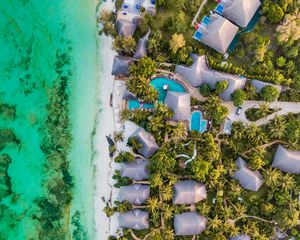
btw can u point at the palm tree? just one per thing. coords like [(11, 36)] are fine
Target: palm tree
[(215, 223), (263, 110), (168, 234), (287, 182), (167, 211), (272, 177), (153, 204), (277, 129), (167, 193), (179, 132)]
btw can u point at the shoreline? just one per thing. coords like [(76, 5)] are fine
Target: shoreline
[(103, 168)]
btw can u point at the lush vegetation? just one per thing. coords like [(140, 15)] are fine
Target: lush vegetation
[(264, 110)]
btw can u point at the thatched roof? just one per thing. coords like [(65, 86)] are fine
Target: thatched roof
[(189, 223), (135, 219), (251, 180), (287, 160), (193, 73), (136, 170), (129, 96), (241, 237), (259, 85), (135, 194), (125, 28), (180, 104), (141, 49), (219, 33), (188, 192), (199, 73), (240, 11), (121, 66), (149, 145)]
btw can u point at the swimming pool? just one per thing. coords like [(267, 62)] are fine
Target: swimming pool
[(197, 122), (158, 84)]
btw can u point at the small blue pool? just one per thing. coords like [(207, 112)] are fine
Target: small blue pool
[(197, 122), (157, 84), (205, 20), (219, 9), (197, 35)]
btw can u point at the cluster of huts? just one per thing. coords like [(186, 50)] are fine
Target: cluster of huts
[(187, 192), (220, 28), (284, 159)]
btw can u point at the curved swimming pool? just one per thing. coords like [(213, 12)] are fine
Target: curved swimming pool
[(157, 84), (197, 122)]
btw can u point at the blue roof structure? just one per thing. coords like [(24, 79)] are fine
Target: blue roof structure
[(219, 8)]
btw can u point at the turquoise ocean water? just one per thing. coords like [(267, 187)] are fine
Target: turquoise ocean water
[(31, 34)]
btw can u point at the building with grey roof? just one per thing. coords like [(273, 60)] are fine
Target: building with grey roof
[(218, 33), (199, 73), (135, 193), (259, 85), (189, 223), (121, 66), (125, 28), (287, 160), (180, 104), (240, 11), (136, 170), (250, 180), (241, 237), (135, 219), (149, 145), (141, 49), (188, 192), (129, 96)]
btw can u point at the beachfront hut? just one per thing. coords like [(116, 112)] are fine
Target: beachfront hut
[(241, 237), (136, 170), (218, 33), (121, 66), (251, 180), (135, 193), (125, 28), (141, 49), (135, 219), (180, 104), (189, 223), (188, 192), (199, 73), (149, 145), (259, 85), (129, 96), (239, 11), (287, 160)]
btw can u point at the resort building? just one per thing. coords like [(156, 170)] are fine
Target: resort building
[(136, 170), (250, 180), (135, 193), (199, 73), (216, 32), (188, 192), (259, 85), (189, 223), (180, 104), (287, 160), (121, 66), (135, 219), (130, 15), (241, 237), (141, 49), (149, 145), (239, 12)]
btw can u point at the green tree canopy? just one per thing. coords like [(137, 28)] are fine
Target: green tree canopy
[(238, 97), (269, 93), (215, 109), (275, 13), (220, 87)]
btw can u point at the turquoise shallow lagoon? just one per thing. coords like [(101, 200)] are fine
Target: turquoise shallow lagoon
[(32, 33)]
